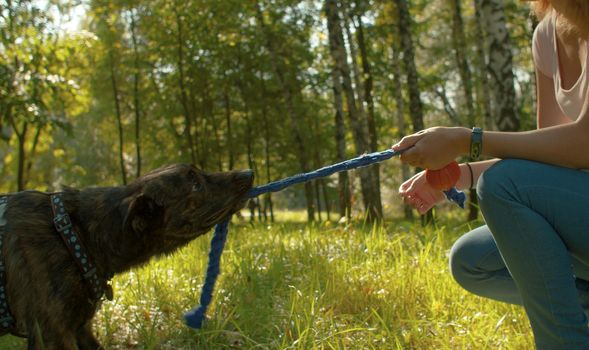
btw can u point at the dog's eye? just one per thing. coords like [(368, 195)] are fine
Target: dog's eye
[(196, 187)]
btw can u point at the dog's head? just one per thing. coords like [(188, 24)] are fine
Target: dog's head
[(182, 202)]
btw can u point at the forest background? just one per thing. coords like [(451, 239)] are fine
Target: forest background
[(98, 92)]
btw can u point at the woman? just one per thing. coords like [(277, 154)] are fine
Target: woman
[(534, 250)]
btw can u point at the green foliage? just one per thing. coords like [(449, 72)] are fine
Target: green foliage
[(201, 77), (196, 82), (40, 89)]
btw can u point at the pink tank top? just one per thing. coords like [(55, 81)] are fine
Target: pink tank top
[(545, 53)]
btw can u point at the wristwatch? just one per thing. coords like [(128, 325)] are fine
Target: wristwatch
[(476, 143)]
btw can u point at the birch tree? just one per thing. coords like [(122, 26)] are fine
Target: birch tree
[(500, 64)]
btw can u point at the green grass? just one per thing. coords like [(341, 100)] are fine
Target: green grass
[(323, 286)]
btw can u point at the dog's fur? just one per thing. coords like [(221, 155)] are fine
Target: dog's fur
[(121, 227)]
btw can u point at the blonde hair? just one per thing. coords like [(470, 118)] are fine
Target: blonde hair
[(572, 14)]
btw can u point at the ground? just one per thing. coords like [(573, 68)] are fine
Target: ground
[(289, 285)]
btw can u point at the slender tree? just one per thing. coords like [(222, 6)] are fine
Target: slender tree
[(296, 120), (482, 82), (136, 92), (118, 114), (367, 98), (344, 194), (415, 103), (464, 70), (188, 119), (400, 112), (357, 122), (500, 66)]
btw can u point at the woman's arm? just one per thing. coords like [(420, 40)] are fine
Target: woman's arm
[(560, 144), (565, 145), (477, 169), (550, 115)]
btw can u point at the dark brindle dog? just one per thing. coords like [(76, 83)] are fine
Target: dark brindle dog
[(50, 297)]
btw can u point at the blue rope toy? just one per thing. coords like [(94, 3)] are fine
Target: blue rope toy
[(195, 317)]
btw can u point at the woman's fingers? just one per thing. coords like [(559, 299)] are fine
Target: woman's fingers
[(408, 186), (433, 148), (408, 142), (412, 157), (421, 205), (417, 193)]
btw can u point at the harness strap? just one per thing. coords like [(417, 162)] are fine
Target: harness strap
[(63, 225), (6, 318)]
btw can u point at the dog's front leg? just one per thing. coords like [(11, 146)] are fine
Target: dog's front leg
[(85, 338)]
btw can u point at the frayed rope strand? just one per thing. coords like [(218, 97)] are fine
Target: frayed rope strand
[(195, 317)]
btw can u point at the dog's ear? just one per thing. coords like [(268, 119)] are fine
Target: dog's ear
[(143, 214)]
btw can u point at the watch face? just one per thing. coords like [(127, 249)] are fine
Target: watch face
[(476, 143)]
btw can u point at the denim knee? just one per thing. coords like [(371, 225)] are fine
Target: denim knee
[(463, 261), (501, 181)]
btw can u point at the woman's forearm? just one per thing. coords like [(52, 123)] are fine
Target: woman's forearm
[(565, 145), (464, 182)]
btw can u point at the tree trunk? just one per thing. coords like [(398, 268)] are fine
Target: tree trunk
[(248, 129), (268, 205), (229, 134), (136, 100), (415, 104), (370, 117), (345, 23), (116, 98), (295, 118), (460, 52), (482, 86), (359, 129), (344, 195), (32, 153), (200, 135), (22, 137), (398, 93), (318, 199), (209, 112), (318, 182), (500, 65), (183, 94)]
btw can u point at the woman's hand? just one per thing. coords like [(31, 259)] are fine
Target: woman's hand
[(418, 193), (434, 148)]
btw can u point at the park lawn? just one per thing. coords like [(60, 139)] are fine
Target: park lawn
[(289, 285)]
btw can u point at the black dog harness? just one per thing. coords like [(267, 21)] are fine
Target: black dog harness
[(64, 226)]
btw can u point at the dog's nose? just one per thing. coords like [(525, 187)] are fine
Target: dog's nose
[(245, 175)]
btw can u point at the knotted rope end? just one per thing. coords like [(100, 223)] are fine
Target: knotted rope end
[(195, 317), (456, 196)]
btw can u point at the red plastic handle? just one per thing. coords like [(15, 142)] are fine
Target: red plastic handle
[(445, 178)]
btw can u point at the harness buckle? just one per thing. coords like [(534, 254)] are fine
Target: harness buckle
[(62, 222)]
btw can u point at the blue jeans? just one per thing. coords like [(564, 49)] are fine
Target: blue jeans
[(534, 250)]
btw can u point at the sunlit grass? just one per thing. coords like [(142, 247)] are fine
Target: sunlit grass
[(323, 286)]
